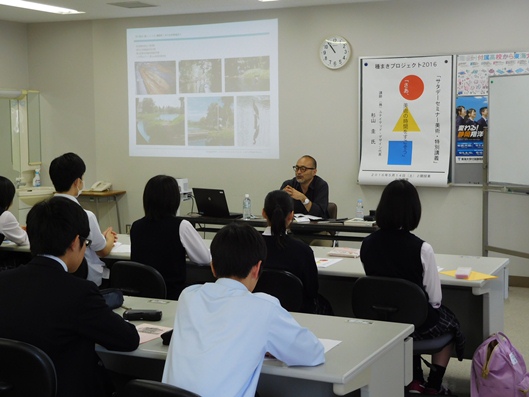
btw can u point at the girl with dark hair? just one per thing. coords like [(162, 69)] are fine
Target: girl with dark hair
[(161, 239), (9, 225), (288, 253), (392, 251)]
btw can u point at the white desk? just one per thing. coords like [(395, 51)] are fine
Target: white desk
[(479, 305), (374, 357)]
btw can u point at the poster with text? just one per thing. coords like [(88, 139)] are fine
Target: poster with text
[(406, 107)]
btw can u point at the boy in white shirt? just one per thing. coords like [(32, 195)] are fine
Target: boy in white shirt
[(66, 173), (222, 331)]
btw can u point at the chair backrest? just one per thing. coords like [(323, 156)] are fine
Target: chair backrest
[(332, 210), (137, 279), (389, 299), (25, 370), (151, 388), (2, 237), (284, 285)]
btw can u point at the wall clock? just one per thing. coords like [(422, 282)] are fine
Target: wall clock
[(335, 51)]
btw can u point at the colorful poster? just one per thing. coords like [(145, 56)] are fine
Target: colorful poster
[(406, 107), (471, 121), (474, 70)]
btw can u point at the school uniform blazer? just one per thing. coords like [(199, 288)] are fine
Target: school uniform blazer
[(42, 304)]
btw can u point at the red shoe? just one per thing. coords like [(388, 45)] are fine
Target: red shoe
[(441, 392), (415, 387)]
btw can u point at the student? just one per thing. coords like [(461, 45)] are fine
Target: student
[(9, 226), (287, 253), (64, 316), (392, 251), (222, 331), (160, 239), (66, 173)]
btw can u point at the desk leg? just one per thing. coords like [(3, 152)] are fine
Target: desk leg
[(117, 213), (493, 306), (386, 376)]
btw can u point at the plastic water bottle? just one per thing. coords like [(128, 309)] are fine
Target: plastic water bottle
[(36, 179), (246, 207), (359, 209)]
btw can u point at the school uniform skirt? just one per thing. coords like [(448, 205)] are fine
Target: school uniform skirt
[(448, 322)]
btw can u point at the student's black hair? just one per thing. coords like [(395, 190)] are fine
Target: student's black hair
[(7, 193), (399, 206), (315, 164), (277, 205), (65, 169), (161, 197), (481, 110), (235, 249), (53, 224)]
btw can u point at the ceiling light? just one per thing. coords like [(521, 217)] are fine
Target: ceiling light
[(39, 7)]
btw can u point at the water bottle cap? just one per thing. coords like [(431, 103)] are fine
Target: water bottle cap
[(246, 195)]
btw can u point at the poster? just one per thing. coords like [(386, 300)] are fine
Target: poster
[(471, 112), (406, 120)]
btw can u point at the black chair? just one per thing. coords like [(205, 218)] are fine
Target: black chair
[(137, 279), (396, 300), (284, 285), (151, 388), (332, 209), (25, 370)]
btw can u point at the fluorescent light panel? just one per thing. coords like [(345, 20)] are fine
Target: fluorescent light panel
[(39, 7)]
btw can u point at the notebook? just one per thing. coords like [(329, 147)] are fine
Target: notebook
[(212, 202)]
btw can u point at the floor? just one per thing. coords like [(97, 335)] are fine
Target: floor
[(457, 377)]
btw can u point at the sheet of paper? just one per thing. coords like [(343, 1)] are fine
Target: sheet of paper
[(326, 262), (120, 247), (474, 276), (328, 344), (149, 331)]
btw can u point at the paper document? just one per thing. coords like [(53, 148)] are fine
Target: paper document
[(119, 247), (326, 262), (149, 331), (306, 218)]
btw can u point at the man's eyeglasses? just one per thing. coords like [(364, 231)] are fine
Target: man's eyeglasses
[(86, 241), (302, 168)]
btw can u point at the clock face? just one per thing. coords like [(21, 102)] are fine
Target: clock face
[(335, 52)]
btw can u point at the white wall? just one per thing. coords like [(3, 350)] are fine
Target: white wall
[(80, 69)]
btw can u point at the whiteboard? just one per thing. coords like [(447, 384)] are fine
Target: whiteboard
[(508, 140)]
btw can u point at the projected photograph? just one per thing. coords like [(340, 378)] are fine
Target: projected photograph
[(155, 78), (210, 121), (160, 121), (248, 74), (253, 125), (200, 76)]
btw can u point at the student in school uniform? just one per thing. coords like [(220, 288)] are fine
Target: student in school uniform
[(65, 316), (222, 331), (290, 254), (9, 226), (66, 173), (162, 240), (393, 251)]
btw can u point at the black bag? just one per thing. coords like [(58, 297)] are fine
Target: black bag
[(113, 297)]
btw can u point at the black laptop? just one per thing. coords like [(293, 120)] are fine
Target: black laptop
[(212, 202)]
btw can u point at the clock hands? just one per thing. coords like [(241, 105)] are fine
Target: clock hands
[(333, 50)]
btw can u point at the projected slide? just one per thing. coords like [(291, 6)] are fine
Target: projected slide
[(204, 90)]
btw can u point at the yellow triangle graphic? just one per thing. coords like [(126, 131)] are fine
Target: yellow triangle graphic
[(406, 122)]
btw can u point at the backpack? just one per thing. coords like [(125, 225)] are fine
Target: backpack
[(498, 369)]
